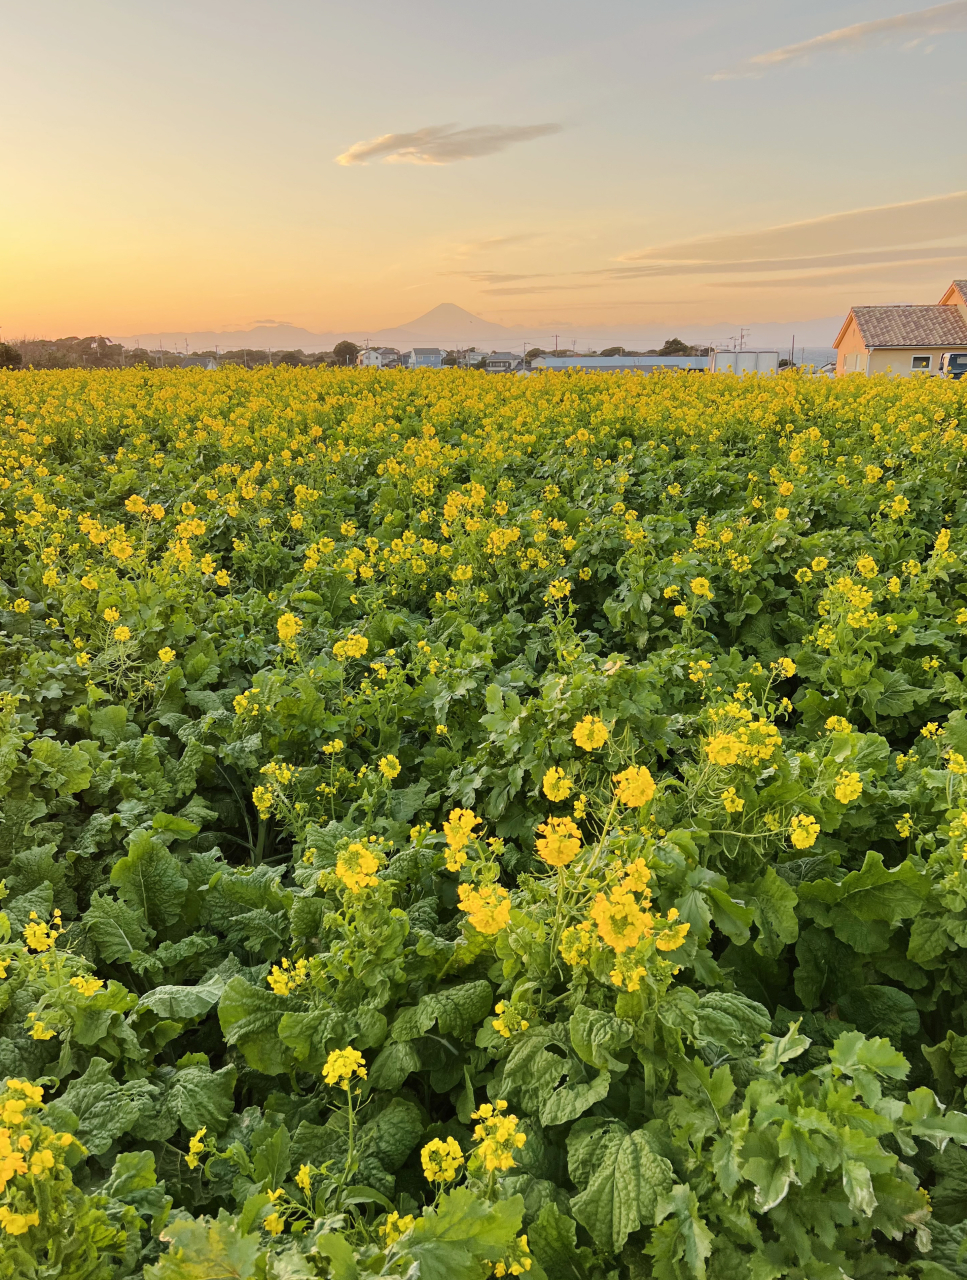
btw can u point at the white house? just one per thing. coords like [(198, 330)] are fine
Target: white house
[(378, 358), (503, 362)]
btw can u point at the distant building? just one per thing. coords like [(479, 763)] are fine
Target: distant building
[(503, 362), (199, 362), (744, 361), (425, 358), (903, 339), (620, 364), (379, 358)]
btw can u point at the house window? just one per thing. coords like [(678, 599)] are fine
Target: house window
[(921, 362)]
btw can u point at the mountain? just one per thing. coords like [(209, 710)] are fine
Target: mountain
[(449, 325)]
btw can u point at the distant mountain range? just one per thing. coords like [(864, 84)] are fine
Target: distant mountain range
[(449, 326)]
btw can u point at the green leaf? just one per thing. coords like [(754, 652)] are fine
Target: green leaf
[(733, 918), (865, 1061), (249, 1017), (572, 1100), (628, 1177), (184, 1002), (393, 1134), (598, 1036), (774, 905), (200, 1097), (732, 1021), (115, 928), (866, 898), (393, 1064), (553, 1242), (452, 1239), (880, 1010), (97, 1109), (149, 879), (927, 1119), (271, 1158), (456, 1010), (685, 1237), (206, 1250)]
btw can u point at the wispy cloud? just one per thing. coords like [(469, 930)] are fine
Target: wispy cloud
[(444, 143), (493, 244), (915, 222), (835, 261), (934, 21)]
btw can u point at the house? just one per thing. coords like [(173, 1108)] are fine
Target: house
[(620, 364), (903, 339), (503, 362), (379, 358), (425, 358), (200, 362)]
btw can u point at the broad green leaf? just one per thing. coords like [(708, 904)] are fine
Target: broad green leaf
[(628, 1180), (98, 1109), (880, 1010), (207, 1250), (732, 1021), (778, 1050), (572, 1100), (598, 1036), (684, 1237), (774, 904), (927, 1119), (115, 928), (271, 1158), (393, 1064), (150, 879), (867, 897), (249, 1017), (858, 1186), (184, 1002), (393, 1134), (553, 1242), (200, 1097)]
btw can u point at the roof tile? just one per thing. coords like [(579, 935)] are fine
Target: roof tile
[(912, 326)]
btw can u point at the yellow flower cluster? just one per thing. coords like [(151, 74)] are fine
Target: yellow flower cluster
[(803, 831), (590, 733), (40, 936), (634, 787), (556, 784), (848, 786), (357, 865), (342, 1065), (508, 1020), (285, 977), (497, 1137), (442, 1161), (560, 841), (458, 830), (354, 646), (487, 908)]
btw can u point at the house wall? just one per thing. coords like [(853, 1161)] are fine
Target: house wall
[(851, 353), (899, 361)]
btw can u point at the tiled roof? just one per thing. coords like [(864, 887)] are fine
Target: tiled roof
[(911, 326), (961, 287)]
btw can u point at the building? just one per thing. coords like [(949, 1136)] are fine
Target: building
[(503, 362), (620, 364), (199, 362), (903, 339), (743, 361), (379, 358), (425, 358)]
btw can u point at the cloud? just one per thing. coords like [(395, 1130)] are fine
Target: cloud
[(885, 226), (924, 22), (835, 261), (491, 243), (444, 143)]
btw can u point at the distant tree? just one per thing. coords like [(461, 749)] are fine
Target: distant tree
[(451, 359), (10, 357), (614, 351), (292, 358), (675, 347), (535, 353), (345, 352)]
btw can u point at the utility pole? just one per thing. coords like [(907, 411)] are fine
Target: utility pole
[(743, 334), (555, 344), (792, 352)]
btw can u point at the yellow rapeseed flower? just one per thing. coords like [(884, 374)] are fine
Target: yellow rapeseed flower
[(590, 733)]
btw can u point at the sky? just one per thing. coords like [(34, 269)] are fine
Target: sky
[(211, 164)]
